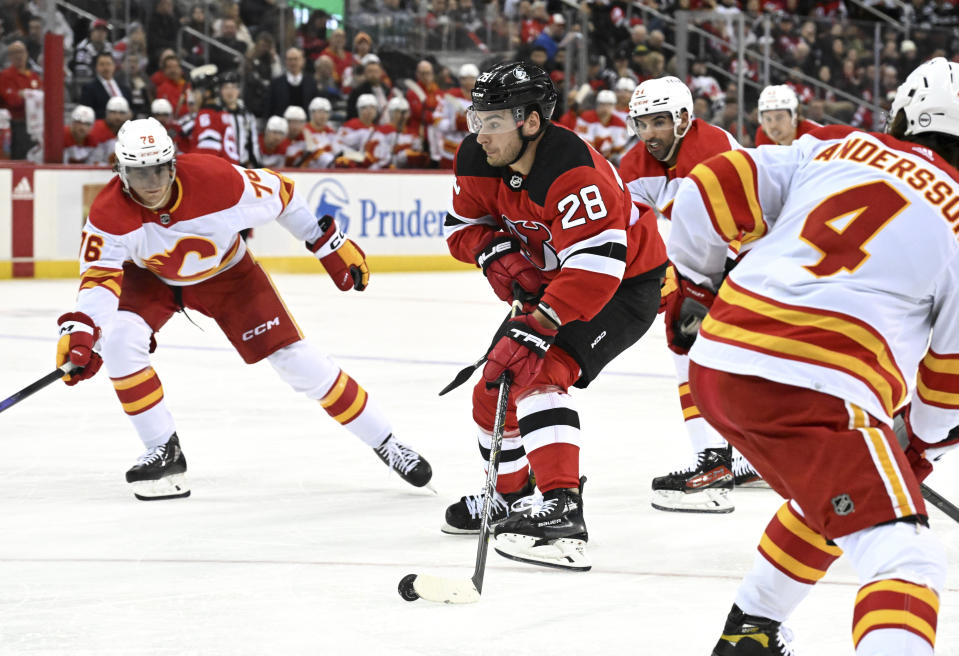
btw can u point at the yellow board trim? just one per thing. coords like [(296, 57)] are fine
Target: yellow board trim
[(920, 592), (294, 264), (790, 563), (880, 617)]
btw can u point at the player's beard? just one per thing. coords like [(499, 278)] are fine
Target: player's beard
[(505, 155)]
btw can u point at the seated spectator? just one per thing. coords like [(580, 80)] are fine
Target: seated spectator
[(324, 74), (195, 48), (14, 80), (372, 84), (396, 145), (135, 42), (225, 60), (362, 46), (231, 10), (171, 85), (105, 130), (423, 97), (336, 50), (311, 36), (551, 37), (78, 145), (296, 120), (355, 132), (96, 42), (602, 129), (263, 65), (293, 88), (164, 25), (34, 40), (274, 143), (321, 144), (104, 86), (141, 89)]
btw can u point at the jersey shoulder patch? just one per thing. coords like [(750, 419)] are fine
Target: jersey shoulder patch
[(113, 211), (559, 151)]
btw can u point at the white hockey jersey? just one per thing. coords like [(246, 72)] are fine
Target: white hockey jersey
[(193, 239), (321, 147), (451, 128), (853, 265)]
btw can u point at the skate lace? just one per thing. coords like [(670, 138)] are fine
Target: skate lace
[(151, 456), (545, 507), (693, 466), (741, 466), (528, 502), (784, 639), (399, 456), (474, 504)]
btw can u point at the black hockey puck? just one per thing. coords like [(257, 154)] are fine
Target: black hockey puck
[(406, 588)]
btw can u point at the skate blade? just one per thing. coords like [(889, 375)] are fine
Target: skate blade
[(710, 501), (452, 530), (564, 553), (174, 486), (755, 484)]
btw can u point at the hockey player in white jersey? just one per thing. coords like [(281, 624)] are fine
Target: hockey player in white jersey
[(163, 236), (847, 301), (672, 142)]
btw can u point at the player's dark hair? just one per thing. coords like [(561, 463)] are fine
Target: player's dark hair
[(946, 145)]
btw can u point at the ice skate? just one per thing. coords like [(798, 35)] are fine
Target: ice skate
[(160, 473), (701, 488), (411, 466), (745, 475), (552, 534), (465, 516), (749, 635)]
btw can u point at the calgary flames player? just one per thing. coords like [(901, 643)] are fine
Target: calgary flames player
[(536, 205), (604, 131), (672, 142), (779, 117), (814, 342), (397, 145), (321, 142), (163, 236), (450, 117)]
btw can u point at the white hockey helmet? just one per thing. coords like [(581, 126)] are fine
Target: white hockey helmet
[(662, 94), (366, 100), (83, 114), (606, 97), (930, 98), (779, 96), (294, 113), (320, 104), (397, 104), (625, 84), (161, 106), (118, 104), (277, 124), (469, 70), (141, 143)]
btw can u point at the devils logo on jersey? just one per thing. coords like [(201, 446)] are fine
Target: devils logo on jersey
[(537, 242)]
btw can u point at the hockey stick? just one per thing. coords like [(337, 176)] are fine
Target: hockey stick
[(939, 502), (36, 386), (462, 591)]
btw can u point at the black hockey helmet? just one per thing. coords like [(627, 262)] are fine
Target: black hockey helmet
[(226, 77), (515, 85)]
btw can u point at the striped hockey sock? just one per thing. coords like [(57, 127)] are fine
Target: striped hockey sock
[(896, 608), (139, 391)]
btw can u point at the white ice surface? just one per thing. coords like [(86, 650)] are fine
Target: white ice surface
[(295, 537)]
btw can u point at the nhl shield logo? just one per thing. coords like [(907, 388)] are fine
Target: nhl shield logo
[(516, 181), (843, 505)]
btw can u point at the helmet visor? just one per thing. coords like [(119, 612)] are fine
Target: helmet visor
[(145, 176), (497, 121)]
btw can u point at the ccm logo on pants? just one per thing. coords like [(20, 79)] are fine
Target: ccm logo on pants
[(262, 328)]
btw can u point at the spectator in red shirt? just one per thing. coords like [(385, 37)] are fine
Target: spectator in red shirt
[(336, 50), (13, 81), (423, 97), (171, 84)]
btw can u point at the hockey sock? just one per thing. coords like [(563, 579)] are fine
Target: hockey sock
[(550, 428), (897, 617), (792, 558), (141, 396), (349, 404), (702, 436), (513, 469)]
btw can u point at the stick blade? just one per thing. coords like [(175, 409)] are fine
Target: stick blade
[(446, 591)]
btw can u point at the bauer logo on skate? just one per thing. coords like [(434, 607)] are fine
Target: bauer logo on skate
[(262, 328)]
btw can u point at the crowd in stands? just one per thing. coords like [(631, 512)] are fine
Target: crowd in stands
[(317, 96)]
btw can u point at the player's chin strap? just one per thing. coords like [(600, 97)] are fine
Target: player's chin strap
[(527, 140)]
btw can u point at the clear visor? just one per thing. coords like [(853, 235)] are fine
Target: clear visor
[(146, 176), (491, 122)]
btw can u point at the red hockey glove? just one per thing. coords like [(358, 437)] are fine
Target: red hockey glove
[(668, 287), (915, 447), (78, 334), (685, 310), (503, 263), (519, 348), (341, 257)]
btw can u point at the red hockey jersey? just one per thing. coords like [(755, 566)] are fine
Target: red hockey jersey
[(572, 215), (805, 126)]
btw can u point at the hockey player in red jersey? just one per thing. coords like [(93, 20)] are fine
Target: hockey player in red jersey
[(322, 145), (535, 205), (273, 143), (223, 126), (79, 146), (846, 302), (397, 145), (672, 142), (779, 117), (604, 131), (163, 236)]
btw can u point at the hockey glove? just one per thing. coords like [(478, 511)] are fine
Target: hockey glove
[(519, 349), (503, 264), (341, 257), (685, 310), (919, 452), (78, 334), (669, 286)]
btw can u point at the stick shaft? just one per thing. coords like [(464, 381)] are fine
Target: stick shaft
[(35, 386), (940, 502)]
